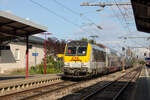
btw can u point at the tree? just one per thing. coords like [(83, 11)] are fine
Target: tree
[(90, 41), (55, 46), (84, 39)]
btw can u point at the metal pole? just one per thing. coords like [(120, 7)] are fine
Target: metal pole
[(35, 57), (123, 69), (104, 4), (45, 56), (27, 55), (45, 50)]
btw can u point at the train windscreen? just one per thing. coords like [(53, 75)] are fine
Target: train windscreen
[(147, 58), (76, 48), (71, 51), (76, 51), (82, 51)]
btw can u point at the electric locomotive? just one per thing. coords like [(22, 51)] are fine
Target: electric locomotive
[(147, 60), (82, 59)]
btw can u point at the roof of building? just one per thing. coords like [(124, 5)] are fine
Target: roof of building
[(35, 39), (141, 9), (12, 27), (32, 39)]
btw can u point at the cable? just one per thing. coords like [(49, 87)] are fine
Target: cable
[(122, 15), (76, 13), (66, 20), (126, 22), (50, 11), (66, 7), (116, 16)]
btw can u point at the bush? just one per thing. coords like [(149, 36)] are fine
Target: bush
[(52, 67), (39, 69), (142, 62)]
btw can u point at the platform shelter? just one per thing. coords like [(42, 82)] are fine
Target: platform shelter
[(13, 27), (141, 10)]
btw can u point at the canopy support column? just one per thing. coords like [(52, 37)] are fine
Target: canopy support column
[(27, 55)]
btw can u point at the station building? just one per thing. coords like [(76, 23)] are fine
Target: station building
[(13, 55)]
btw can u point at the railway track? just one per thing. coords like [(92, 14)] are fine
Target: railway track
[(35, 92), (57, 90), (112, 90)]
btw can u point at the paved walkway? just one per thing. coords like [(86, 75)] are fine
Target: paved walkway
[(142, 88)]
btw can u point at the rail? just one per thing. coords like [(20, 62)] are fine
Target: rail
[(91, 95)]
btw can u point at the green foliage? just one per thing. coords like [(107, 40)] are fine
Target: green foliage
[(90, 41), (52, 66), (39, 69), (19, 72), (142, 62), (84, 39)]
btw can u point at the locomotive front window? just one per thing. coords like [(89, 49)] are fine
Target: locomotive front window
[(147, 58), (82, 51), (71, 51)]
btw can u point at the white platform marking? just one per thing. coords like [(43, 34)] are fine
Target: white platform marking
[(147, 74)]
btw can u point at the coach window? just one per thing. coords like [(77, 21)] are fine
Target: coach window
[(17, 54), (101, 56)]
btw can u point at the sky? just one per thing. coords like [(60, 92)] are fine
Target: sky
[(66, 19)]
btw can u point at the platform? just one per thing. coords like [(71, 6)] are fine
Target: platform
[(142, 88), (6, 80)]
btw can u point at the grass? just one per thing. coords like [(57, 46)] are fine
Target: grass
[(39, 69)]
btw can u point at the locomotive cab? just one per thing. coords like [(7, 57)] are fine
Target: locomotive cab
[(76, 59), (147, 60)]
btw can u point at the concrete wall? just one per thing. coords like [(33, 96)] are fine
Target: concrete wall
[(9, 62)]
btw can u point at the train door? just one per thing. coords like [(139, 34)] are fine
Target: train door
[(93, 62)]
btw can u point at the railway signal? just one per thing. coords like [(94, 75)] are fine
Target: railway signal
[(45, 49)]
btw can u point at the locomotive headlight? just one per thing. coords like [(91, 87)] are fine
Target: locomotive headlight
[(83, 64)]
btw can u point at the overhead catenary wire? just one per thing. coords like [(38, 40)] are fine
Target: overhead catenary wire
[(122, 14), (113, 11), (66, 20), (49, 10), (76, 13), (124, 20), (61, 17), (80, 14)]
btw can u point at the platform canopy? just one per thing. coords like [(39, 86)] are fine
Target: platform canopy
[(12, 27), (141, 9)]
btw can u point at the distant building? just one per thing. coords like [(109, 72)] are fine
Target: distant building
[(13, 56), (141, 52)]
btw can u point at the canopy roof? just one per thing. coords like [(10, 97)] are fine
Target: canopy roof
[(12, 27), (141, 9)]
